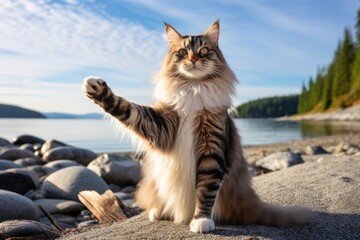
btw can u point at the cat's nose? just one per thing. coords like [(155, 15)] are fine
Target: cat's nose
[(193, 57)]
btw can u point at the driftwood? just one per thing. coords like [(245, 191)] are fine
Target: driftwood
[(105, 207)]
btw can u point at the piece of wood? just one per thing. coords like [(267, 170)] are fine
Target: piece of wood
[(105, 207)]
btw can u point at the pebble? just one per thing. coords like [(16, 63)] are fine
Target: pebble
[(315, 150), (88, 223), (15, 153), (80, 155), (65, 221), (50, 144), (123, 196), (279, 160), (16, 206), (22, 139), (59, 206), (60, 164), (26, 229), (121, 171), (4, 142), (16, 182), (25, 171), (30, 161), (68, 182), (6, 164)]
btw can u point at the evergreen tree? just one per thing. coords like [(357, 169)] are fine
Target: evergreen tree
[(342, 77), (355, 77), (328, 84)]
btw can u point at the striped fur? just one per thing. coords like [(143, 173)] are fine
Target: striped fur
[(194, 170)]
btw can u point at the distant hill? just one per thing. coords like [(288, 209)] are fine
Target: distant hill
[(58, 115), (11, 111), (270, 107)]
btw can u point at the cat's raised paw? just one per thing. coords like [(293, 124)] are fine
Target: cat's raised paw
[(93, 86), (202, 225)]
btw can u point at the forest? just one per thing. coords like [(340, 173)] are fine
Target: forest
[(338, 84), (269, 107)]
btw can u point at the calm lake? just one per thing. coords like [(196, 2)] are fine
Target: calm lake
[(100, 135)]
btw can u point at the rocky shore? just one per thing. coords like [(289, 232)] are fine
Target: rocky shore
[(319, 173), (348, 114)]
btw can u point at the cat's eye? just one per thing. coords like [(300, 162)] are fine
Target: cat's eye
[(182, 52), (203, 51)]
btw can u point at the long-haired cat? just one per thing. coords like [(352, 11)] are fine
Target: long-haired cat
[(194, 170)]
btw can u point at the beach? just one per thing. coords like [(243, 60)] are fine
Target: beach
[(317, 173)]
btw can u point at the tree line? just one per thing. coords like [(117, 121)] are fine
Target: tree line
[(338, 84), (269, 107)]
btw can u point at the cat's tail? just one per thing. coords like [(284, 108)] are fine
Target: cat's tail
[(275, 215), (245, 207)]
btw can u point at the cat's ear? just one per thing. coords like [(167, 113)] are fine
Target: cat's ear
[(172, 35), (213, 32)]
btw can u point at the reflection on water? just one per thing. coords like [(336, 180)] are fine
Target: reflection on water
[(326, 128), (100, 136)]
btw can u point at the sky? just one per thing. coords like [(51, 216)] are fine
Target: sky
[(47, 47)]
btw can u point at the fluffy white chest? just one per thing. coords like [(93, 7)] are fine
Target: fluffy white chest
[(174, 174)]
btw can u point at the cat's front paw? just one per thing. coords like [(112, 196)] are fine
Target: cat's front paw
[(202, 225), (93, 86)]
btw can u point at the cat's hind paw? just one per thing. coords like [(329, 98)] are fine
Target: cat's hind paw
[(93, 86), (153, 215), (202, 225)]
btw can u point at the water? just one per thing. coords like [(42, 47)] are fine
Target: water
[(99, 135)]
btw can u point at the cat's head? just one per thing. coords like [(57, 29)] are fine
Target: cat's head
[(194, 57)]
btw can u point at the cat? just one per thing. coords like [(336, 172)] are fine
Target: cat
[(194, 170)]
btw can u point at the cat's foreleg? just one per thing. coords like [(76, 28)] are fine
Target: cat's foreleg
[(208, 181), (156, 126)]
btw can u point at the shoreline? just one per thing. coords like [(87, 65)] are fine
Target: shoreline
[(335, 170), (348, 114)]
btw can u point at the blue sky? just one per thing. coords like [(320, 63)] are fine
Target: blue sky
[(47, 47)]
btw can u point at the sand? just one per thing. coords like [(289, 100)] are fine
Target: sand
[(330, 186)]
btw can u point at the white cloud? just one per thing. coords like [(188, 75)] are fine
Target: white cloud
[(59, 38), (42, 40)]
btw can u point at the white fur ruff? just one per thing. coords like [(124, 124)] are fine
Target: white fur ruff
[(174, 175)]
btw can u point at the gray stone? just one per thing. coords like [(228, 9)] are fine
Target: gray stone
[(315, 150), (279, 160), (59, 206), (26, 229), (22, 139), (27, 146), (4, 142), (25, 171), (50, 144), (65, 221), (29, 161), (114, 187), (123, 196), (16, 182), (129, 202), (80, 155), (15, 153), (60, 164), (6, 164), (38, 170), (88, 223), (121, 171), (128, 189), (15, 206), (68, 182)]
